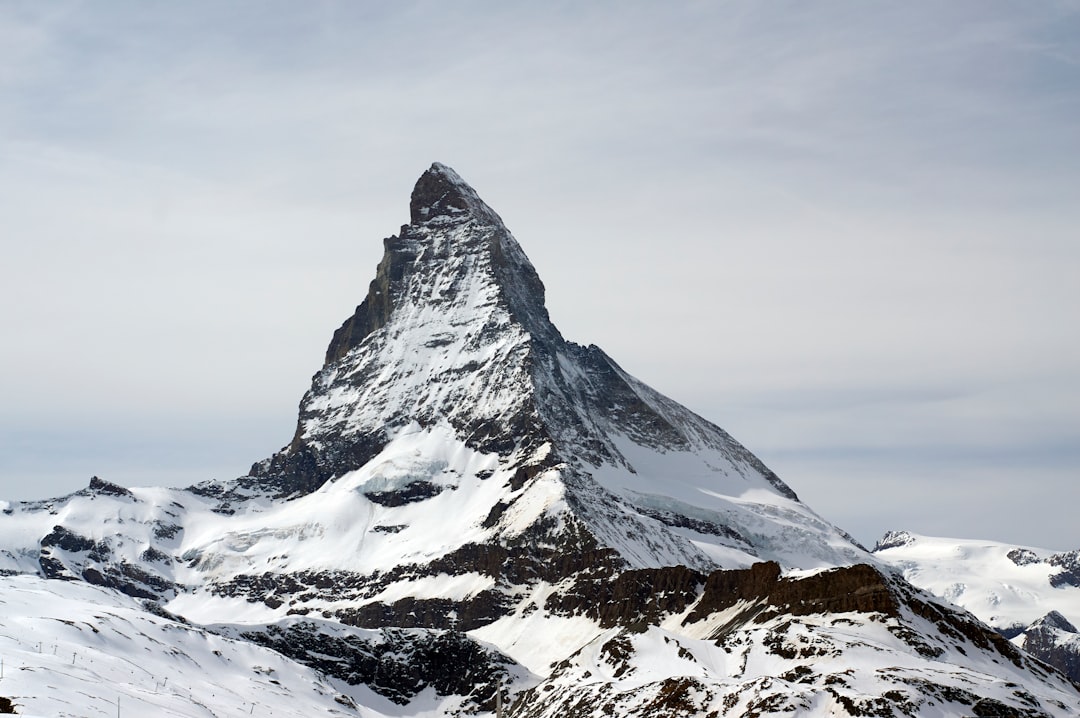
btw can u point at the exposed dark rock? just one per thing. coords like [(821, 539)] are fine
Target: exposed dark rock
[(642, 597), (166, 531), (1054, 640), (991, 708), (409, 494), (1011, 631), (440, 193), (495, 514), (53, 568), (460, 615), (373, 313), (959, 625), (859, 587), (129, 579), (1070, 569), (153, 555), (893, 539), (1022, 557), (711, 528), (154, 607), (68, 540), (301, 468), (98, 486), (536, 555), (638, 597), (398, 664)]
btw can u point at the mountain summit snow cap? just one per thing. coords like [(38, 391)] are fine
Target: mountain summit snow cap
[(441, 195)]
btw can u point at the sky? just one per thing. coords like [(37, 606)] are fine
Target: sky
[(846, 232)]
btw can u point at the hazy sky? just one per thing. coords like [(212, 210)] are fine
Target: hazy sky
[(847, 232)]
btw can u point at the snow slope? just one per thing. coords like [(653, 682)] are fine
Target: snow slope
[(71, 649), (1031, 595), (1005, 585)]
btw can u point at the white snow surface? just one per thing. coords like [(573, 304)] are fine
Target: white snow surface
[(980, 577), (71, 649), (706, 486)]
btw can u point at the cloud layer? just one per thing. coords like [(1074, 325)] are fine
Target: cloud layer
[(844, 232)]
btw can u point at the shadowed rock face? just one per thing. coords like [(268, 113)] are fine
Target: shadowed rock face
[(1070, 569), (644, 596), (1056, 641), (397, 664), (859, 588), (455, 283)]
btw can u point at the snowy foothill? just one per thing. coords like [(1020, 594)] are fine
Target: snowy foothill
[(71, 649)]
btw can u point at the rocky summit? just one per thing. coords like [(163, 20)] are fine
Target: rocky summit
[(476, 515)]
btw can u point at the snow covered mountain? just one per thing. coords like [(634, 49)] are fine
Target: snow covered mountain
[(454, 340), (468, 501), (1030, 595)]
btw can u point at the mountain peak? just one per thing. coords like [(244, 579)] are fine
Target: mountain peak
[(1055, 620), (441, 194), (454, 337), (454, 246)]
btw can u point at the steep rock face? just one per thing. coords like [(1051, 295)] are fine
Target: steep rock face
[(1054, 640), (454, 332), (398, 664), (454, 328)]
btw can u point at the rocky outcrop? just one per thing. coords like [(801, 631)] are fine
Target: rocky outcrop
[(1069, 575), (397, 664), (893, 539), (99, 486), (859, 588), (633, 598), (1054, 640)]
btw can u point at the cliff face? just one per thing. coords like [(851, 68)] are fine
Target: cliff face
[(454, 333)]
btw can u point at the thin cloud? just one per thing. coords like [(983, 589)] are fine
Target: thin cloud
[(824, 227)]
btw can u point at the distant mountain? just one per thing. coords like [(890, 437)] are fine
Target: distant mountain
[(470, 501), (1028, 594)]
